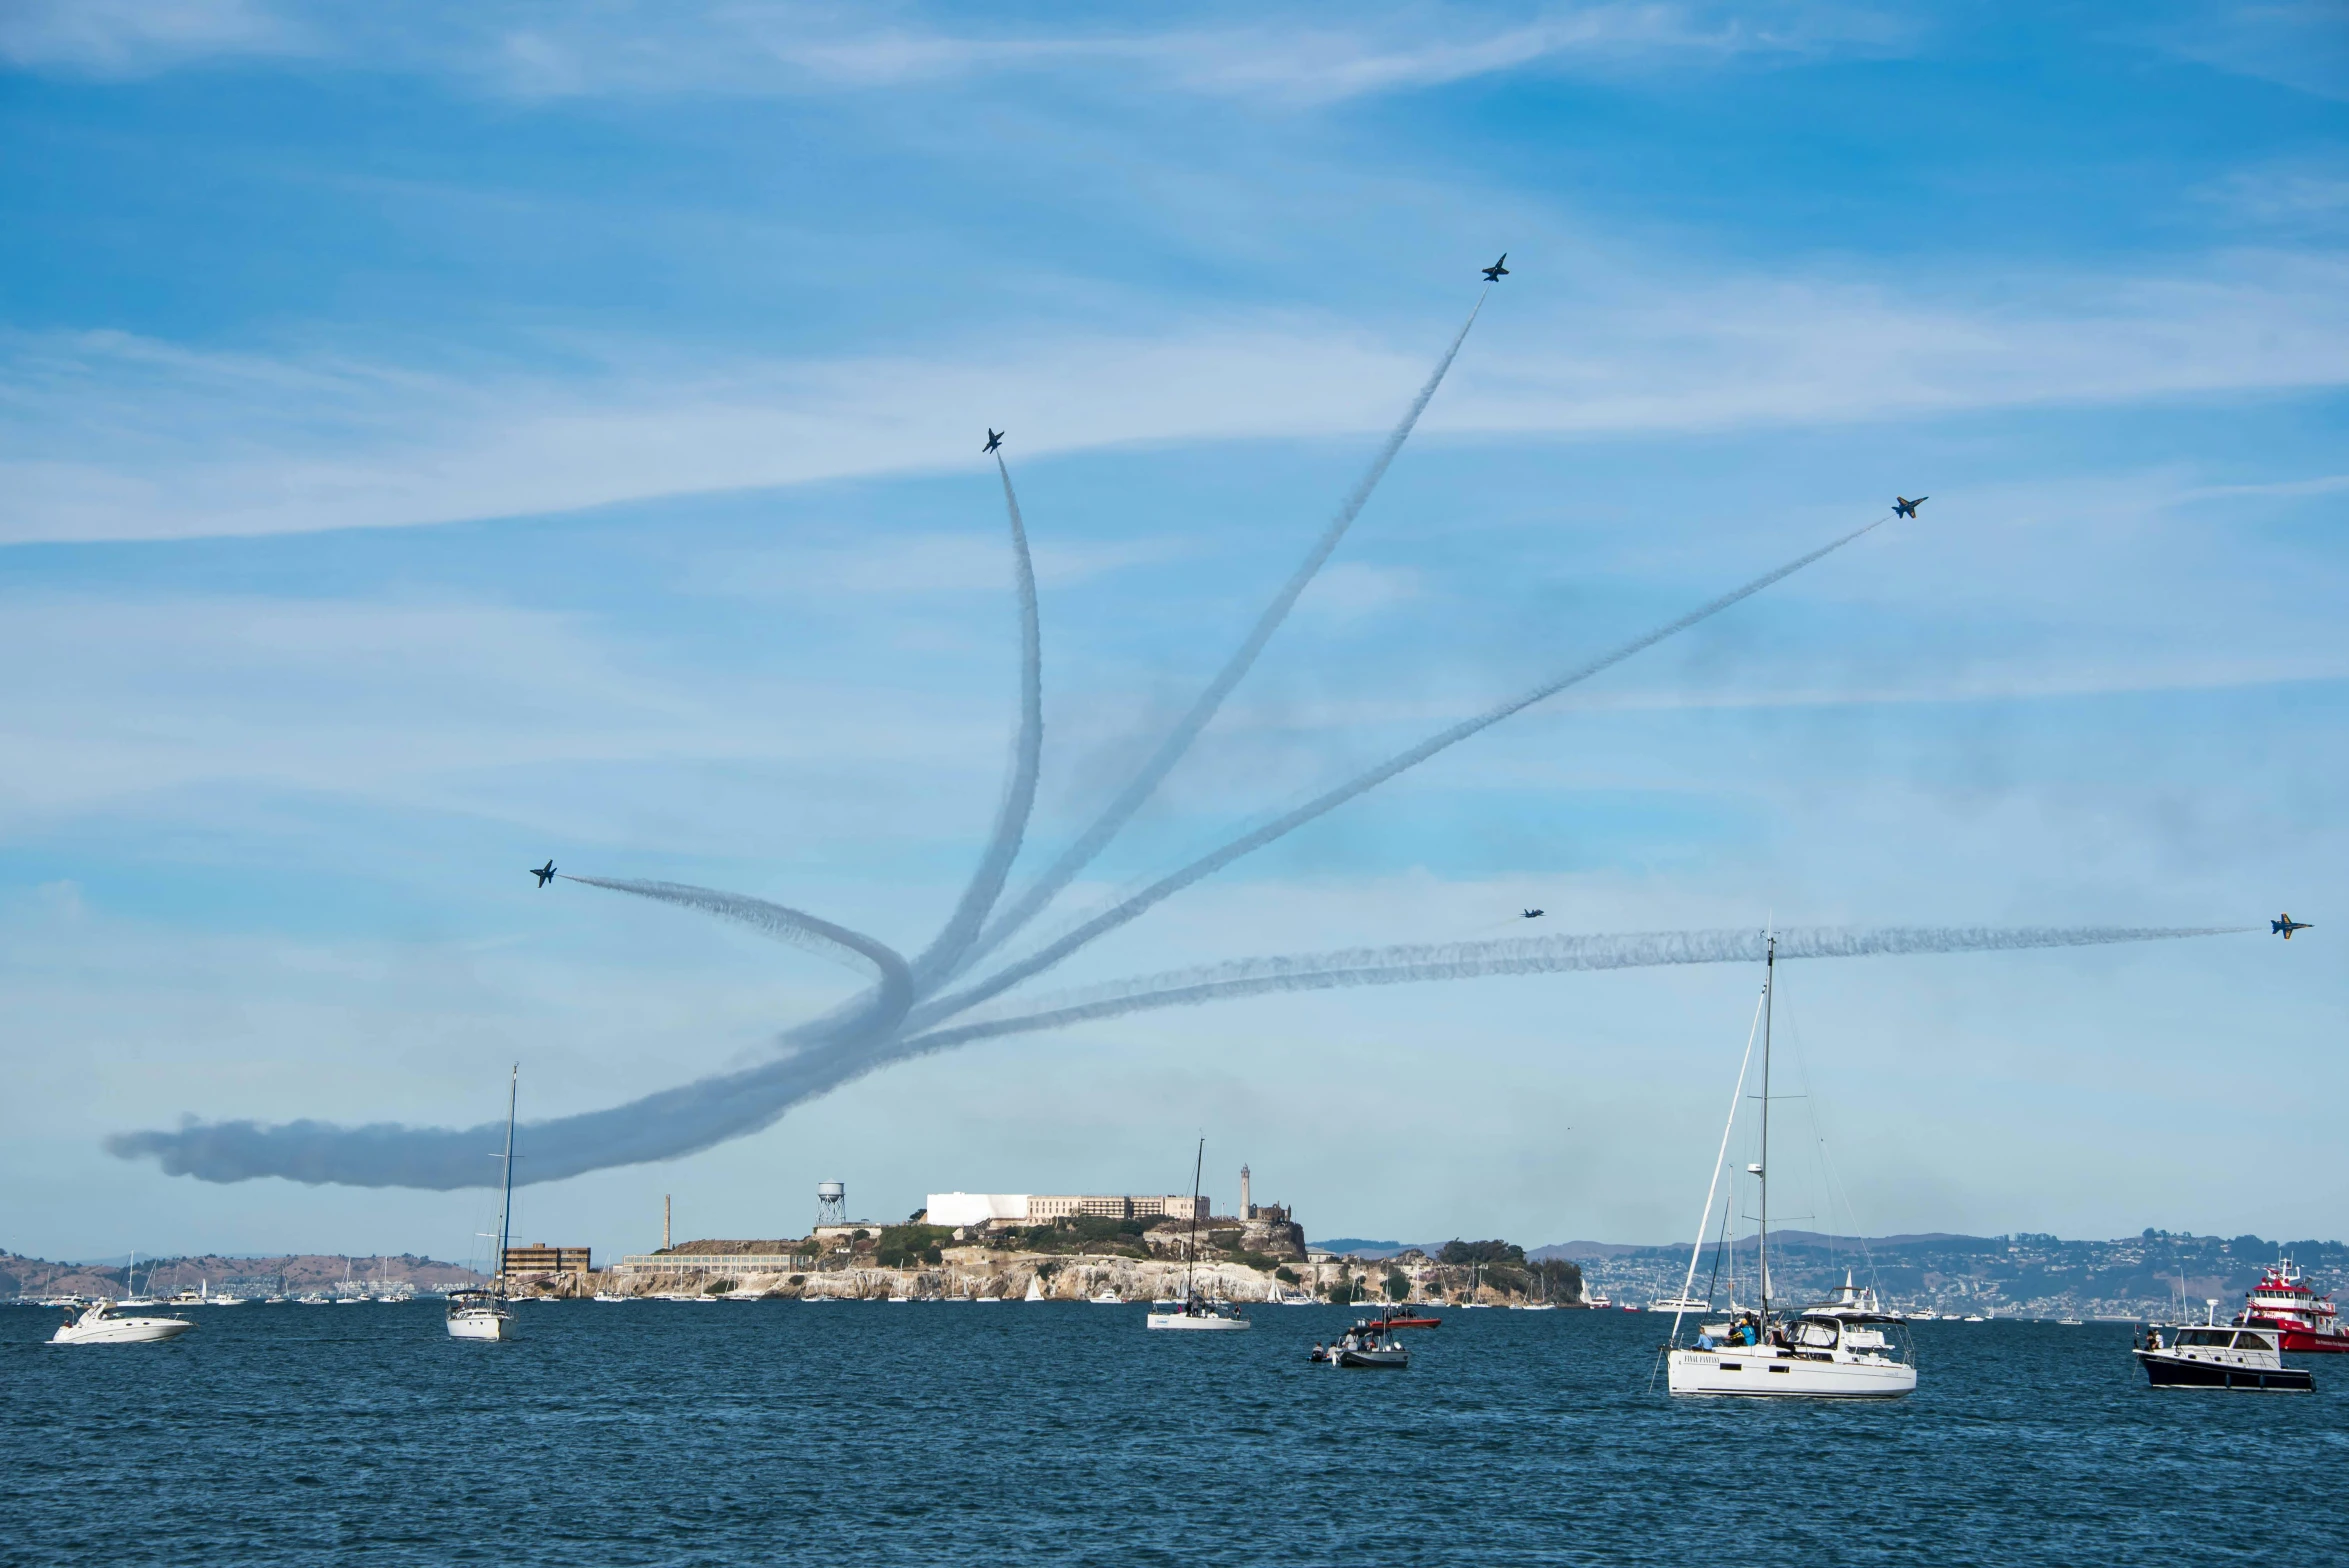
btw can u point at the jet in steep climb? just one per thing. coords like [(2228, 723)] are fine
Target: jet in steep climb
[(1902, 506), (994, 440), (1498, 270)]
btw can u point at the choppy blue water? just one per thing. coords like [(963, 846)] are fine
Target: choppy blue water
[(652, 1432)]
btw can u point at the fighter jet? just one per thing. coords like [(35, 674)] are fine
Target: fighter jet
[(994, 440), (1533, 914), (1497, 271), (545, 873), (1902, 506), (2285, 925)]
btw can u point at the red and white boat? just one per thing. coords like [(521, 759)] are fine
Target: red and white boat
[(2283, 1299)]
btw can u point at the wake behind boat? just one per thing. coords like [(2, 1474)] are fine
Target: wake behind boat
[(1838, 1349)]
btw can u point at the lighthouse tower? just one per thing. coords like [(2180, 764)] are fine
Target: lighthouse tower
[(1247, 1204)]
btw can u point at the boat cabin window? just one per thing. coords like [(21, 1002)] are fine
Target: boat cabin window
[(1818, 1335), (2214, 1338), (2249, 1341)]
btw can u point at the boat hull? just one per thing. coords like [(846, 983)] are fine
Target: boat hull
[(1183, 1320), (121, 1331), (1749, 1373), (480, 1323), (2164, 1371)]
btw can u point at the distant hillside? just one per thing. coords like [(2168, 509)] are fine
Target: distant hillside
[(2024, 1274), (37, 1277)]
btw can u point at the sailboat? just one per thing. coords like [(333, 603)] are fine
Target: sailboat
[(1035, 1288), (1191, 1312), (1833, 1350), (483, 1314)]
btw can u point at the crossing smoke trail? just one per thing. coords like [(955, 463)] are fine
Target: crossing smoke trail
[(962, 928), (712, 1110), (1248, 843), (855, 1041), (1526, 956), (1170, 751)]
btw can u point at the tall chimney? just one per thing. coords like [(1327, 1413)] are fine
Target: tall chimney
[(1247, 1204), (664, 1222)]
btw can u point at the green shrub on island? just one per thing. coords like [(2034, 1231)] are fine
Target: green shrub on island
[(1463, 1253), (1398, 1285), (717, 1287), (903, 1244)]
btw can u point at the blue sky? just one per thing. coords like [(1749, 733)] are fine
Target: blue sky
[(432, 442)]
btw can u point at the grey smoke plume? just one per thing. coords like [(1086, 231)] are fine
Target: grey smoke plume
[(954, 940), (1120, 811), (386, 1154), (1525, 956), (1248, 843)]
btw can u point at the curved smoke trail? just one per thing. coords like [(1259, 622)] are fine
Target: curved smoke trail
[(1011, 824), (892, 993), (1527, 956), (1207, 865), (1170, 751)]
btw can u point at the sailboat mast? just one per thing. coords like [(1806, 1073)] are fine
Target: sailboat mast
[(1191, 1248), (1769, 996), (506, 1203)]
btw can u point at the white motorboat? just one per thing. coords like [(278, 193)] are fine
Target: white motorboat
[(1109, 1298), (1191, 1312), (605, 1295), (1839, 1349), (101, 1324), (486, 1314)]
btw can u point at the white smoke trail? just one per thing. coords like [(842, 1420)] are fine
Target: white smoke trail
[(1129, 800), (954, 940), (1525, 956), (1207, 865)]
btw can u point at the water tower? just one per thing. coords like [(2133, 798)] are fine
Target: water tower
[(831, 1203)]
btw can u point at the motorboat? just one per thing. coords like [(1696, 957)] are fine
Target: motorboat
[(2220, 1355), (1192, 1312), (101, 1324), (1109, 1298), (606, 1295), (1366, 1345), (1849, 1347), (2283, 1300), (485, 1314)]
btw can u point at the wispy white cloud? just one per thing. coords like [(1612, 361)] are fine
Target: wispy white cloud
[(140, 37), (1301, 57), (105, 436)]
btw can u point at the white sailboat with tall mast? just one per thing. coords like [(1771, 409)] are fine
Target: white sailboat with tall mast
[(1191, 1312), (1837, 1349), (484, 1314)]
